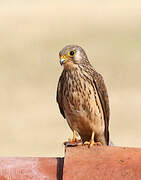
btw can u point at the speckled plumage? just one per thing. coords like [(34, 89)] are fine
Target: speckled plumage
[(82, 97)]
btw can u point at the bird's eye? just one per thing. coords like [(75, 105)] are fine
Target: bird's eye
[(71, 53)]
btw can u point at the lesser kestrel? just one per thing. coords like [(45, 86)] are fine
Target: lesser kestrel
[(82, 97)]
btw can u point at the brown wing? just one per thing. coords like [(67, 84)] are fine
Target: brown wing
[(103, 95), (59, 95)]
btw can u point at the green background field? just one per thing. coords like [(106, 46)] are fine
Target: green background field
[(31, 35)]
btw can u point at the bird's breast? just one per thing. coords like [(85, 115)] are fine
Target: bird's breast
[(82, 106)]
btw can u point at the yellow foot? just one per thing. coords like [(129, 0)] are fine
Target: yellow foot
[(92, 143), (73, 142)]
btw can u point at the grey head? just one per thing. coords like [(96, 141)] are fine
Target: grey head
[(72, 55)]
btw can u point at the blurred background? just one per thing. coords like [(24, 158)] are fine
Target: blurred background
[(31, 35)]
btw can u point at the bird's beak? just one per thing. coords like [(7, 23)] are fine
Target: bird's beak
[(63, 60)]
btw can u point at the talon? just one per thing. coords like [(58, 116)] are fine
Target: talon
[(98, 143), (92, 142), (86, 143), (74, 141)]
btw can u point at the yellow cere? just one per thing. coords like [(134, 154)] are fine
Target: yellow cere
[(64, 57)]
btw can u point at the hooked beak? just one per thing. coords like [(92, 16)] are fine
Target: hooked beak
[(63, 60)]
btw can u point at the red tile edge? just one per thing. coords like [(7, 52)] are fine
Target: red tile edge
[(102, 163), (28, 168), (80, 163)]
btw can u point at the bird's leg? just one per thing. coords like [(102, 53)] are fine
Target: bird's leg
[(74, 141), (92, 142)]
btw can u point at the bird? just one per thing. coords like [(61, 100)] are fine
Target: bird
[(82, 98)]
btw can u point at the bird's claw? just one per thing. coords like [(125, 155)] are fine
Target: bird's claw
[(73, 142), (92, 143)]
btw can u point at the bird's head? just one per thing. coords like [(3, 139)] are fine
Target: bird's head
[(71, 56)]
